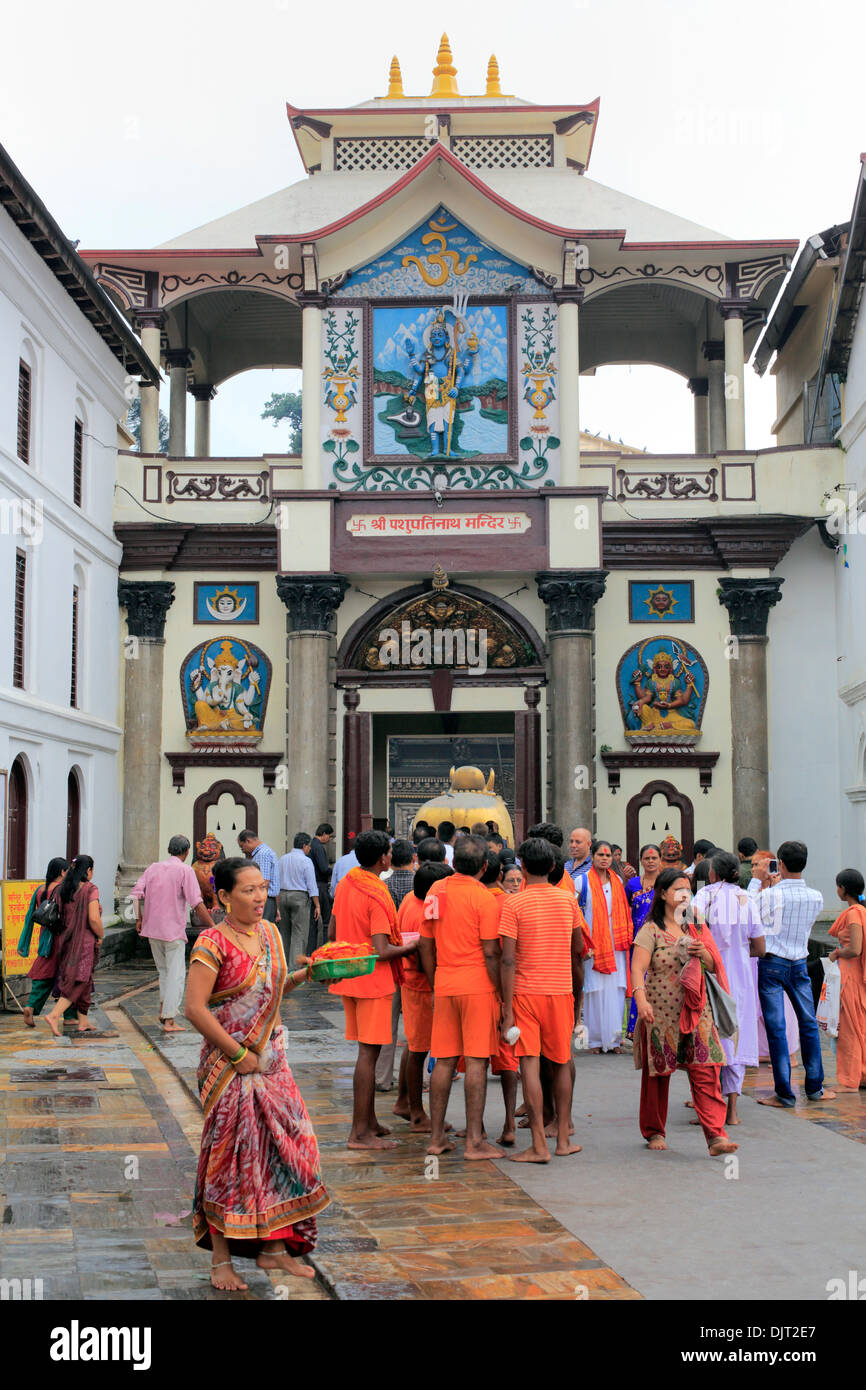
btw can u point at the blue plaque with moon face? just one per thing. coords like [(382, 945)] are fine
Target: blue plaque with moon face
[(226, 603)]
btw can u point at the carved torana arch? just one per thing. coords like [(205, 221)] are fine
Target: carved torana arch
[(203, 803), (644, 798)]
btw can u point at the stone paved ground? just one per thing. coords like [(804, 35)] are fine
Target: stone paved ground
[(611, 1223)]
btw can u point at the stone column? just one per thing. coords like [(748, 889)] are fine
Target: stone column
[(714, 352), (311, 602), (527, 763), (748, 602), (356, 768), (146, 602), (700, 389), (202, 393), (311, 390), (178, 361), (569, 299), (150, 323), (571, 596), (735, 401)]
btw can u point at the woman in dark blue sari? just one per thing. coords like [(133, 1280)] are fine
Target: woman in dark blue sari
[(640, 891)]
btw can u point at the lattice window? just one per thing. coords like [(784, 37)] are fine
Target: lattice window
[(24, 397), (18, 624), (504, 151), (373, 154), (73, 682), (77, 462)]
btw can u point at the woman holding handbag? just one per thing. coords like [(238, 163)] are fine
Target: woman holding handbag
[(77, 946), (848, 929), (44, 968), (733, 919), (675, 1025)]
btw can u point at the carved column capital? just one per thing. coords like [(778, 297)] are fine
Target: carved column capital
[(748, 602), (699, 385), (146, 602), (570, 597), (202, 391), (176, 358), (311, 600)]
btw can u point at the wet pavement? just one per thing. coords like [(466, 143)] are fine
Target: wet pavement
[(99, 1141)]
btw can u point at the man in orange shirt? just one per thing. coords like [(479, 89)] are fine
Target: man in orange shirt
[(460, 955), (542, 972), (364, 911), (417, 997), (504, 1063)]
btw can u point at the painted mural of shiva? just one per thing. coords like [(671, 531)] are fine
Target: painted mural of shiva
[(440, 371), (664, 700)]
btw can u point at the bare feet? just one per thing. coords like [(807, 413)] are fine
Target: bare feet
[(657, 1141), (445, 1147), (506, 1138), (86, 1028), (461, 1133), (482, 1151), (289, 1264), (722, 1146), (825, 1095), (530, 1156), (223, 1276), (774, 1102), (382, 1130), (840, 1090), (402, 1114), (52, 1024), (562, 1151), (169, 1026), (370, 1141), (28, 1017), (551, 1129)]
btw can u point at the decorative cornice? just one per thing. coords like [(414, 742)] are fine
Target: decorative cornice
[(151, 545), (756, 542), (147, 603), (748, 602), (311, 600), (570, 597), (268, 762), (670, 755)]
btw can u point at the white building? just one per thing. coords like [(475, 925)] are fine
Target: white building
[(66, 356)]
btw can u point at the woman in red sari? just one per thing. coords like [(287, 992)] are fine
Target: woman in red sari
[(77, 946), (258, 1188)]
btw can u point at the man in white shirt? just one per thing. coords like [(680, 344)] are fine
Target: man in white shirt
[(446, 833), (788, 908), (341, 868)]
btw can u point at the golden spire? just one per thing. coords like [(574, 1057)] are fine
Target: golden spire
[(493, 87), (395, 80), (444, 73)]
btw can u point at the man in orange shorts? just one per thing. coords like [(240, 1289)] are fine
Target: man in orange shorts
[(364, 911), (542, 971), (504, 1063), (417, 999), (460, 955)]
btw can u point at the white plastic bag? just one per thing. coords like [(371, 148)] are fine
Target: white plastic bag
[(828, 1004)]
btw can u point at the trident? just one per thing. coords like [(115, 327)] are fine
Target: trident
[(459, 305)]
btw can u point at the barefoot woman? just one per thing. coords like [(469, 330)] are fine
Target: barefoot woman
[(675, 1024), (258, 1186)]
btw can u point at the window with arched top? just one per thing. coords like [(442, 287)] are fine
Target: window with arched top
[(16, 820), (73, 814), (27, 393)]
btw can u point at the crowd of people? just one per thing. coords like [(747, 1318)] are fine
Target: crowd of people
[(498, 960)]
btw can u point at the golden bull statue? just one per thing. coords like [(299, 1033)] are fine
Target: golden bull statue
[(469, 799)]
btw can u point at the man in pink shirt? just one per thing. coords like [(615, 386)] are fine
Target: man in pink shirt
[(164, 896)]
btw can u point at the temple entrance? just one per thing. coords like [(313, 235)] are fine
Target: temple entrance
[(16, 828), (412, 767), (659, 810)]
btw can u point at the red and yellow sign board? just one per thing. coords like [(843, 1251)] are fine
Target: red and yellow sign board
[(15, 895)]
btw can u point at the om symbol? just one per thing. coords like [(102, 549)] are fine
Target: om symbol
[(440, 257)]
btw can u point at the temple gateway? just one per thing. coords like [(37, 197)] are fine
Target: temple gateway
[(450, 573)]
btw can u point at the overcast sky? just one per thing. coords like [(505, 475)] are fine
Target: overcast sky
[(136, 123)]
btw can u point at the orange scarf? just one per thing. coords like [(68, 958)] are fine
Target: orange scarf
[(371, 885), (609, 933)]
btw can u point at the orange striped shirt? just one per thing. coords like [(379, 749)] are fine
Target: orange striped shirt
[(541, 920)]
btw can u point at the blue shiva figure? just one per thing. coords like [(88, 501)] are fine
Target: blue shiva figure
[(441, 371)]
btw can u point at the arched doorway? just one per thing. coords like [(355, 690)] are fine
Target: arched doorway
[(225, 809), (671, 813), (16, 824), (73, 815)]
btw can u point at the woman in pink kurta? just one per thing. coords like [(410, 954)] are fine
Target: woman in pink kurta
[(733, 918), (849, 930)]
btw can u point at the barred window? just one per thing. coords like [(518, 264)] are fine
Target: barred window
[(18, 631), (77, 462), (24, 395), (73, 684), (373, 153)]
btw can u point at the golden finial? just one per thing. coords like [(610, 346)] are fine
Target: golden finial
[(444, 73), (493, 87), (395, 80), (440, 581)]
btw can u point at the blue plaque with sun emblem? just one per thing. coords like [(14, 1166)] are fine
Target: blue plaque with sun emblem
[(654, 600), (226, 603)]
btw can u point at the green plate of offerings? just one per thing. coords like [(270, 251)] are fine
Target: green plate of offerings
[(342, 967)]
